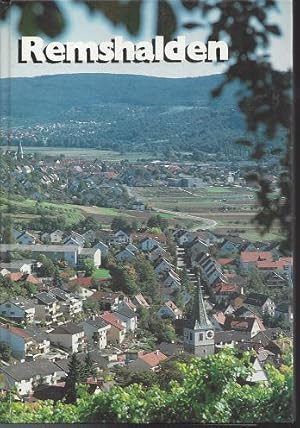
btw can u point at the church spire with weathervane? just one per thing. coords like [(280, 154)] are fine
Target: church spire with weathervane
[(198, 334)]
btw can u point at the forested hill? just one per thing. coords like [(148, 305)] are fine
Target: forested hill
[(125, 112)]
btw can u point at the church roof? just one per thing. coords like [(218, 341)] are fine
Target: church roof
[(199, 317)]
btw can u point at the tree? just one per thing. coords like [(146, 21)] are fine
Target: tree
[(89, 267), (57, 280), (120, 223), (147, 278), (89, 367), (75, 376), (124, 279), (47, 268), (157, 221)]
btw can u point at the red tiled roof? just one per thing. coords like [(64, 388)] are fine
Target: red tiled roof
[(225, 261), (15, 276), (221, 287), (220, 317), (254, 256), (16, 331), (153, 358), (112, 320), (32, 279), (83, 282), (104, 295)]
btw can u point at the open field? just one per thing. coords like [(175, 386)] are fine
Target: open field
[(224, 209), (26, 209), (86, 153)]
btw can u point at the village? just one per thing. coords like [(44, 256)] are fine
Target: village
[(125, 299)]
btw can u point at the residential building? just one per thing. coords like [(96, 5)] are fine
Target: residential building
[(89, 253), (96, 331), (70, 303), (125, 256), (169, 310), (147, 360), (47, 308), (25, 377), (127, 316), (18, 309), (116, 333), (69, 336)]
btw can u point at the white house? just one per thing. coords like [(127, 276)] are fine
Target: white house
[(96, 332), (24, 377), (47, 308), (70, 304), (69, 336), (55, 237), (128, 316), (89, 253), (102, 247)]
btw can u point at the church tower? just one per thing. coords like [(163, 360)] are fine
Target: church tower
[(20, 153), (198, 334)]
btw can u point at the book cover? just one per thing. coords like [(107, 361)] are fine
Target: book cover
[(146, 245)]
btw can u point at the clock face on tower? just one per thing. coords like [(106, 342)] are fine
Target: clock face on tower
[(209, 334)]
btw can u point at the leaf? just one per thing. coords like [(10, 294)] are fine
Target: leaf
[(166, 20), (274, 29)]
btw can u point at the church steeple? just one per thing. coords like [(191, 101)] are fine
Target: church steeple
[(199, 315), (198, 334), (20, 153)]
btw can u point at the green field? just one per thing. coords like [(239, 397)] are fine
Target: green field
[(224, 209), (101, 274), (86, 153), (25, 209)]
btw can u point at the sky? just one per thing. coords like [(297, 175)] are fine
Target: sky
[(82, 26)]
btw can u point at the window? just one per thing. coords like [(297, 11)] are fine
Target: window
[(191, 336), (200, 337)]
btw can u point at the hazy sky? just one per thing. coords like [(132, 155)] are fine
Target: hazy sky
[(82, 26)]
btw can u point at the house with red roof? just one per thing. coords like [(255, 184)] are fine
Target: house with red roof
[(147, 361), (17, 338), (116, 333), (225, 292), (249, 259)]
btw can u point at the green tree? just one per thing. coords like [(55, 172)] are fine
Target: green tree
[(89, 266), (120, 223), (157, 221), (57, 279), (124, 279), (89, 367), (47, 268), (75, 376)]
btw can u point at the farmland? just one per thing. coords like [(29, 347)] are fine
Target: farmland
[(227, 208)]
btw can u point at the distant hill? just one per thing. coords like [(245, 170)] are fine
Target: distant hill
[(123, 112)]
